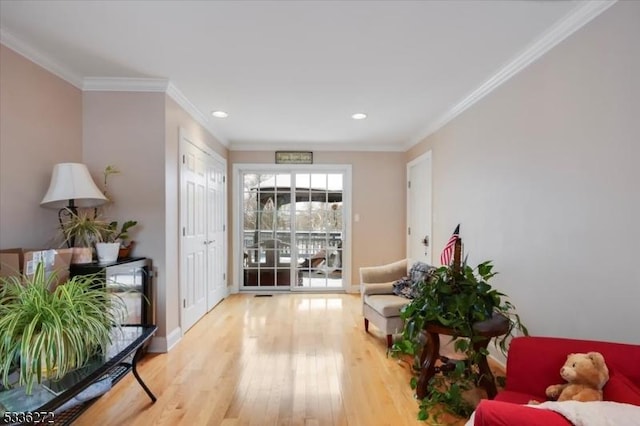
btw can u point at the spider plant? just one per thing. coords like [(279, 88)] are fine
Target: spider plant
[(47, 332), (83, 229)]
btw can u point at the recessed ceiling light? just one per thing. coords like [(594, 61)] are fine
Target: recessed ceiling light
[(219, 114), (359, 116)]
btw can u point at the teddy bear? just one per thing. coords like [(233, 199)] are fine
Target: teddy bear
[(586, 375)]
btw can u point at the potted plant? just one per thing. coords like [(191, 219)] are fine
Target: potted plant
[(113, 240), (115, 235), (85, 229), (457, 298), (81, 231), (46, 332)]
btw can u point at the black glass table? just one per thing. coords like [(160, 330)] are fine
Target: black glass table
[(62, 401)]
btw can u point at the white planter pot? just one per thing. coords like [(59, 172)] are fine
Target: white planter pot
[(107, 252)]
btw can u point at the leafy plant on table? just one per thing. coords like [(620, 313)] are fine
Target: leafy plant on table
[(121, 235), (84, 229), (114, 234), (455, 298), (45, 332)]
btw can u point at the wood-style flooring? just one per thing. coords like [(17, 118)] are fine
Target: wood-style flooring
[(290, 359)]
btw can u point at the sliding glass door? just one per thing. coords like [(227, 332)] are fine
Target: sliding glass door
[(292, 228), (318, 226)]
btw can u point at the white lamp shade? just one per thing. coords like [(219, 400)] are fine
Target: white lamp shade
[(72, 181)]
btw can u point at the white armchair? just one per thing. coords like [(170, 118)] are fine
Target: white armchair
[(379, 304)]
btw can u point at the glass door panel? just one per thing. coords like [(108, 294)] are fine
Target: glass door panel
[(292, 230), (266, 230), (319, 230)]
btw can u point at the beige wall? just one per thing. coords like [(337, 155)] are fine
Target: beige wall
[(40, 125), (44, 121), (138, 133), (543, 176), (127, 130), (378, 197)]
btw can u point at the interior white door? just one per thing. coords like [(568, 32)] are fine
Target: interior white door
[(193, 223), (216, 232), (419, 209)]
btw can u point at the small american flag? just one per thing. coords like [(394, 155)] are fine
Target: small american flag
[(447, 252)]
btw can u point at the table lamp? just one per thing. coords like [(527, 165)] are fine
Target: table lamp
[(71, 187)]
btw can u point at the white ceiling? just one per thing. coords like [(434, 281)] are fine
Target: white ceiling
[(291, 73)]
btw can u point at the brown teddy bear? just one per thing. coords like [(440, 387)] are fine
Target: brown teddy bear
[(586, 375)]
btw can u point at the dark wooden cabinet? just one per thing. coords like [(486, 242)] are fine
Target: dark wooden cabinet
[(131, 279)]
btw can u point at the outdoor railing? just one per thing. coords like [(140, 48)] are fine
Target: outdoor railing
[(307, 243)]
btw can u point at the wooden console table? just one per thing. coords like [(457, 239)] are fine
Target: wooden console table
[(45, 401), (498, 325)]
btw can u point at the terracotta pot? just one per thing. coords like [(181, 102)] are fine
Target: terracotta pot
[(126, 251), (82, 255)]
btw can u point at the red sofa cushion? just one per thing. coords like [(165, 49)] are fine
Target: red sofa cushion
[(533, 363), (499, 413), (517, 397), (620, 389)]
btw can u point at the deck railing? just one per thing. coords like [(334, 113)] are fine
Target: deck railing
[(308, 243)]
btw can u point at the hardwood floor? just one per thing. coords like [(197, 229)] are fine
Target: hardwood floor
[(290, 359)]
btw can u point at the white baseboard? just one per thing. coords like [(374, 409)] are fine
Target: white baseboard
[(165, 344), (353, 289), (158, 345)]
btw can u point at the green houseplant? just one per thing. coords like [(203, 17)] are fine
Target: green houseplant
[(455, 297), (85, 229), (47, 332), (114, 234), (113, 239), (119, 235), (81, 231)]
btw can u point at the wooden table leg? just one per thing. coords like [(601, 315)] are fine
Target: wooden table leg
[(430, 354), (487, 380), (483, 332)]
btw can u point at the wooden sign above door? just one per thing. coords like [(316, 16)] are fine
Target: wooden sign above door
[(294, 157)]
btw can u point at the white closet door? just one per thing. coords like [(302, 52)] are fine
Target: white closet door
[(193, 225), (216, 232)]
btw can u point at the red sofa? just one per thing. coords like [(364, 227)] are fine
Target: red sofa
[(533, 363)]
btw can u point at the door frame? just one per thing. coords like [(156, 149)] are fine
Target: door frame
[(237, 192), (185, 138), (426, 157)]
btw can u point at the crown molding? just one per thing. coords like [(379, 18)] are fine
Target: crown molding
[(163, 85), (124, 84), (174, 93), (107, 84), (39, 58), (573, 21), (310, 146)]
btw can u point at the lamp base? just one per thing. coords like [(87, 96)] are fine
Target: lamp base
[(69, 212)]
